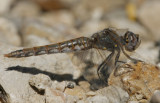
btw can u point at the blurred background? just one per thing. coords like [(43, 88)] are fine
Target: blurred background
[(29, 23)]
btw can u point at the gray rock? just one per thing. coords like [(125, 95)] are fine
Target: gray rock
[(5, 6), (54, 96), (124, 23), (50, 33), (62, 19), (59, 85), (9, 32), (114, 94), (15, 72), (92, 26), (133, 102), (25, 9), (149, 15), (147, 52), (81, 101), (40, 81), (71, 99), (106, 5), (35, 98), (99, 99), (54, 4), (155, 98), (34, 40), (4, 97), (158, 65), (76, 92), (141, 88)]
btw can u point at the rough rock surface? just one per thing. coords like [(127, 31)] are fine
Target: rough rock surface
[(5, 6), (150, 17), (25, 9), (7, 30), (140, 80), (72, 78), (20, 70)]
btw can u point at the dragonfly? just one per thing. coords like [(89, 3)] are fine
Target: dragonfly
[(106, 39)]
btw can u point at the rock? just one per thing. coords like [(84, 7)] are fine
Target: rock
[(106, 5), (76, 91), (150, 55), (54, 96), (25, 9), (81, 101), (150, 17), (70, 84), (92, 26), (57, 67), (8, 30), (4, 97), (37, 28), (17, 87), (5, 6), (140, 83), (40, 82), (85, 85), (61, 19), (94, 23), (52, 4), (98, 99), (71, 99), (91, 93), (158, 65), (124, 23), (133, 102), (34, 40), (33, 98), (52, 34), (60, 86), (114, 94), (155, 98)]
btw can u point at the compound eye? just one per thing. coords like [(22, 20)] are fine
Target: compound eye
[(127, 40), (132, 41), (126, 37)]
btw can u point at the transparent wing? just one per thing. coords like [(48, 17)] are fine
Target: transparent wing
[(120, 32), (88, 62), (94, 56)]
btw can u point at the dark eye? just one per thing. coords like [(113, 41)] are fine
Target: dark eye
[(126, 39), (132, 41)]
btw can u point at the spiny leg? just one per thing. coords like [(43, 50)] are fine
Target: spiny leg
[(117, 60), (104, 64), (117, 56), (133, 59)]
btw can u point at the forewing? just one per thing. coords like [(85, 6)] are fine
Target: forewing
[(94, 56)]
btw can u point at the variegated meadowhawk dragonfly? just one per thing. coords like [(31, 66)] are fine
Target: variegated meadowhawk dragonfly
[(107, 39)]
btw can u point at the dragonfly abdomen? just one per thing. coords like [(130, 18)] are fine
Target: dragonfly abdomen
[(78, 44)]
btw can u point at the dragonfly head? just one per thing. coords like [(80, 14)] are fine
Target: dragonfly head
[(131, 40)]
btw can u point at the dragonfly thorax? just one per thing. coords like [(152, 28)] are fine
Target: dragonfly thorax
[(103, 40)]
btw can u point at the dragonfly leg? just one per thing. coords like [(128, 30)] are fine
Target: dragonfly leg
[(117, 56), (121, 62), (133, 59), (104, 64)]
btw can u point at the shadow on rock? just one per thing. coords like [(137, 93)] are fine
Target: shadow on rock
[(34, 71), (95, 84)]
